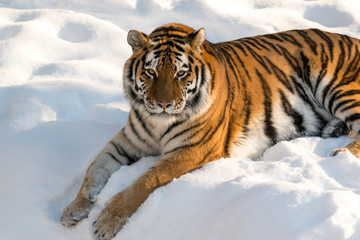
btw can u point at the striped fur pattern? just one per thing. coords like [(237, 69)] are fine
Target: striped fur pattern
[(193, 102)]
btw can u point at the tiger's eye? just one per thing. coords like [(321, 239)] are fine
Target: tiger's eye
[(180, 74), (150, 72)]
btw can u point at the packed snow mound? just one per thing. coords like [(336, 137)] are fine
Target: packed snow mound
[(58, 65), (43, 45), (61, 100)]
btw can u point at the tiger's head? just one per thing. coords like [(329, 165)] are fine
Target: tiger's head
[(166, 74)]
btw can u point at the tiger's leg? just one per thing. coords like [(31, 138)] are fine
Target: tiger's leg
[(124, 204), (100, 170)]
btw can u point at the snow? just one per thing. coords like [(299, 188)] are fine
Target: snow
[(61, 99)]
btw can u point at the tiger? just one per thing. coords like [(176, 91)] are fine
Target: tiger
[(193, 102)]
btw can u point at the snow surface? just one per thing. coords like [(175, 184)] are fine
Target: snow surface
[(61, 100)]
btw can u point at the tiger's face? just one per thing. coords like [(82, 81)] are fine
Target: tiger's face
[(166, 73), (165, 81)]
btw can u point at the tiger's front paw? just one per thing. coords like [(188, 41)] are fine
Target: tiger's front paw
[(108, 224), (75, 212)]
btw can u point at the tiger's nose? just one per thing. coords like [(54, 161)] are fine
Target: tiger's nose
[(164, 105)]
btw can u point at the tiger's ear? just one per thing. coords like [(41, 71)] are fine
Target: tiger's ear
[(137, 39), (197, 38)]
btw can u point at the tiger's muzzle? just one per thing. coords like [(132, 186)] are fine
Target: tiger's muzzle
[(169, 107)]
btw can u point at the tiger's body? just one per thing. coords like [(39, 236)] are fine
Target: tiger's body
[(193, 102)]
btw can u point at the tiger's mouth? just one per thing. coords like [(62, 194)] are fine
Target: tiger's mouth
[(164, 108)]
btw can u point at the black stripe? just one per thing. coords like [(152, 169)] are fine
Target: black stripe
[(158, 52), (250, 41), (191, 59), (269, 130), (195, 100), (227, 140), (312, 44), (291, 39), (247, 110), (143, 58), (137, 133), (208, 47), (137, 88), (134, 96), (180, 49), (239, 46), (340, 94), (182, 42), (171, 127), (297, 118), (349, 44), (351, 73), (332, 101), (258, 58), (211, 132), (131, 69), (273, 46), (188, 145), (158, 46), (229, 100), (356, 104), (186, 131), (232, 65), (273, 37), (143, 124), (300, 90), (236, 54), (339, 65), (167, 43), (122, 152), (354, 63), (212, 80), (113, 157), (262, 46), (161, 36), (292, 61), (199, 130), (306, 69), (341, 104), (280, 75), (167, 29), (203, 78), (348, 93), (208, 154), (353, 117), (194, 90), (177, 55), (324, 67), (328, 40), (346, 80)]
